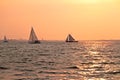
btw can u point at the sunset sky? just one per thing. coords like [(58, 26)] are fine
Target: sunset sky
[(54, 19)]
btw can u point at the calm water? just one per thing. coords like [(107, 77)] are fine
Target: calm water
[(57, 60)]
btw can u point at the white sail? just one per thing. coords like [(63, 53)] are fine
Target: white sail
[(70, 38), (33, 38)]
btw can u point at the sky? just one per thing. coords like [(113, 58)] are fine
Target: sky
[(55, 19)]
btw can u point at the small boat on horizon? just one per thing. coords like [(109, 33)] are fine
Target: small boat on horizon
[(33, 38), (70, 38), (5, 39)]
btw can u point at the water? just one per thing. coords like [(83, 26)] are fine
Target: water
[(57, 60)]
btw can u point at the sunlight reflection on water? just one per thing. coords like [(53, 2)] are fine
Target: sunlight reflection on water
[(86, 60)]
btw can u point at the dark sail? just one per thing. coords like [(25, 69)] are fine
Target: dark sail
[(5, 39), (33, 38), (70, 38)]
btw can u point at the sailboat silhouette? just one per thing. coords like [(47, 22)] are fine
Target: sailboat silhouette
[(5, 39), (70, 38), (33, 38)]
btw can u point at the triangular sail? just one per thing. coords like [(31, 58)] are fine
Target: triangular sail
[(70, 38), (33, 38)]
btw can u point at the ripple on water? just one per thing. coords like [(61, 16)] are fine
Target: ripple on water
[(3, 68), (94, 60)]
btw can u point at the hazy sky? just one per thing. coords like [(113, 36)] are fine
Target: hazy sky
[(54, 19)]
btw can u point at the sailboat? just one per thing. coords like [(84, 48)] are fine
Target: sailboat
[(5, 39), (70, 38), (33, 38)]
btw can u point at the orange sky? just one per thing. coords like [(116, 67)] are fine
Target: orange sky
[(54, 19)]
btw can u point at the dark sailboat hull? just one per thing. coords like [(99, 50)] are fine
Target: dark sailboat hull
[(71, 41), (34, 42), (5, 41)]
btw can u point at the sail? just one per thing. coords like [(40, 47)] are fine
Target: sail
[(33, 38), (5, 39), (70, 38)]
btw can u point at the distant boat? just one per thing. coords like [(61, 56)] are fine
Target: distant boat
[(33, 38), (70, 38), (5, 39)]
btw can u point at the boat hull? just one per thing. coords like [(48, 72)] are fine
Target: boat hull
[(71, 41), (5, 41), (34, 42)]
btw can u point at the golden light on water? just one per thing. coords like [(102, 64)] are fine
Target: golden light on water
[(94, 63), (93, 53), (98, 79)]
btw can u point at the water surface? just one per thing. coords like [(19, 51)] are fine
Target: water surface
[(57, 60)]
